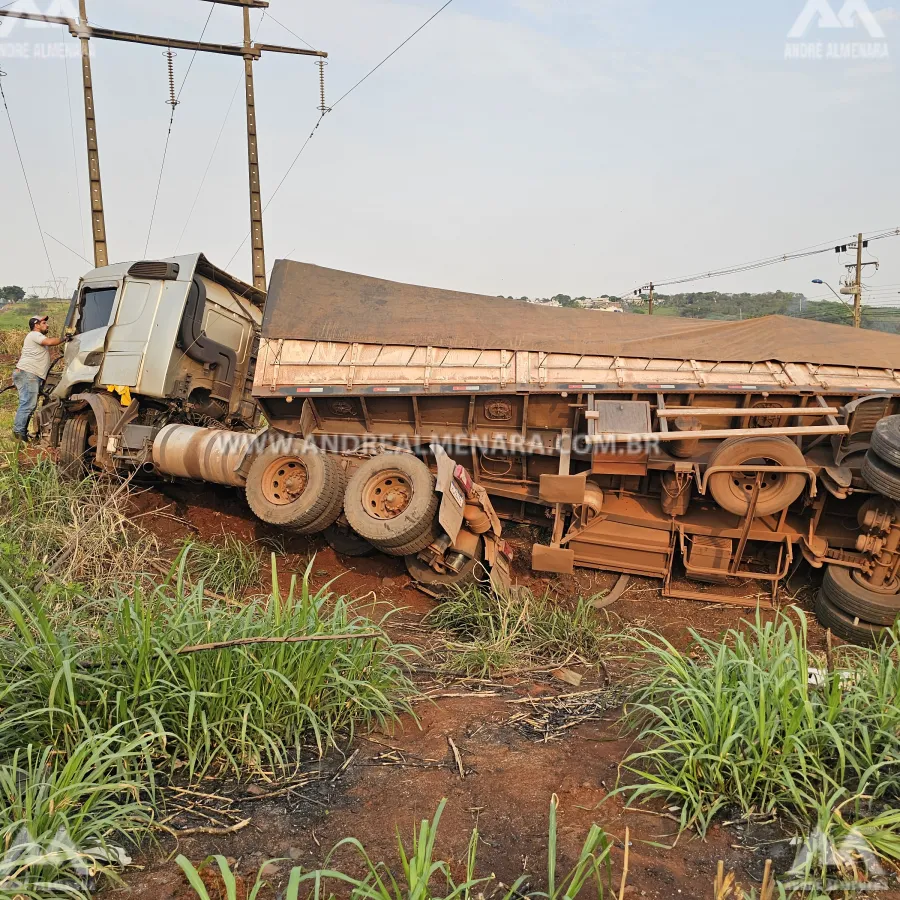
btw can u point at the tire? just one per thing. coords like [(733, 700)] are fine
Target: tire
[(444, 585), (843, 591), (886, 440), (74, 447), (732, 490), (296, 488), (332, 512), (881, 476), (346, 542), (845, 626), (417, 544), (391, 502)]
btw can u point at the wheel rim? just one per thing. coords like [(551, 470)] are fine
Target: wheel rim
[(889, 588), (285, 480), (387, 495), (742, 484)]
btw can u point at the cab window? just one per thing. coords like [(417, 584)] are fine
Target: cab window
[(96, 308)]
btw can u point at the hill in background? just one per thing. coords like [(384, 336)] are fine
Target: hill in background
[(734, 307), (15, 316), (731, 307)]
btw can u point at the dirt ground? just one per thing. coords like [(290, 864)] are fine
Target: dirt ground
[(389, 781)]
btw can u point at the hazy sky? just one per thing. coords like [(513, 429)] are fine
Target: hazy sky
[(513, 147)]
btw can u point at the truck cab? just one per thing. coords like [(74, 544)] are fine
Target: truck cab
[(171, 340)]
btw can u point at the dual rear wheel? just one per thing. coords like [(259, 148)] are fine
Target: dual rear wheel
[(388, 504), (854, 609), (296, 487)]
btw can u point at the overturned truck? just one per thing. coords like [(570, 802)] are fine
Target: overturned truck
[(655, 446)]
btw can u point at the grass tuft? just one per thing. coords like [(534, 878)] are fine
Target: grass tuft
[(62, 820), (227, 568), (78, 531), (238, 708), (424, 875), (498, 635), (98, 703), (737, 723)]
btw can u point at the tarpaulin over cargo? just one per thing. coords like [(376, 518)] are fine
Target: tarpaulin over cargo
[(307, 302)]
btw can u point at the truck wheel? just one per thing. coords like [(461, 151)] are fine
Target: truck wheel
[(881, 476), (391, 502), (444, 584), (846, 627), (297, 488), (734, 490), (332, 511), (855, 599), (74, 447), (886, 440), (416, 545), (346, 542)]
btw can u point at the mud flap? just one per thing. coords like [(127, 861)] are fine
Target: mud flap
[(568, 489), (453, 497), (499, 564), (501, 576), (552, 559)]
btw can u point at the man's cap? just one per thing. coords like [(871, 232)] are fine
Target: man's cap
[(34, 320)]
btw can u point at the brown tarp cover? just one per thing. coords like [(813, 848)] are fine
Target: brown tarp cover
[(307, 302)]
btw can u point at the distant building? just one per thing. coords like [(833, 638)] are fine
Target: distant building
[(541, 302), (602, 304)]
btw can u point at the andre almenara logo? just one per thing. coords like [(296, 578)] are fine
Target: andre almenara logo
[(823, 31)]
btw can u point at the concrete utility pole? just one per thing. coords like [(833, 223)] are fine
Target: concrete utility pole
[(857, 287), (640, 293), (98, 217), (256, 222), (250, 52), (857, 297)]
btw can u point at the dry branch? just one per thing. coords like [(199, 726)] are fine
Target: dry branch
[(625, 864), (457, 757), (202, 829), (304, 639)]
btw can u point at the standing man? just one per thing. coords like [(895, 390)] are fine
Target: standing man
[(31, 370)]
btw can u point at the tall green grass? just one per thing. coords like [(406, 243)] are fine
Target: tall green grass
[(228, 567), (63, 819), (420, 873), (737, 723), (238, 708), (498, 634), (98, 705)]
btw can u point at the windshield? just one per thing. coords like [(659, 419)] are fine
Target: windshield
[(96, 308)]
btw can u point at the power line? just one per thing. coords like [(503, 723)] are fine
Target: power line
[(212, 155), (61, 244), (395, 50), (371, 72), (194, 55), (294, 33), (280, 183), (825, 247), (173, 102), (12, 129)]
